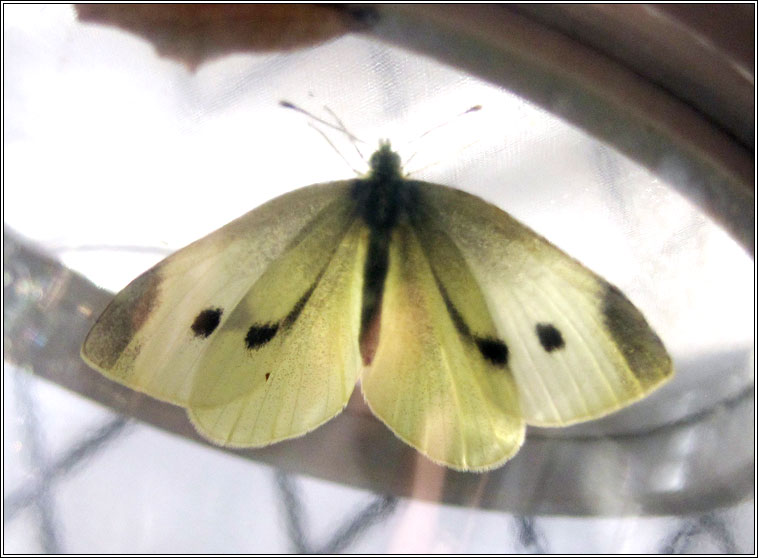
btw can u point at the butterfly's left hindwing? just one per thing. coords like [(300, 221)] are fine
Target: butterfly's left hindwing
[(438, 378)]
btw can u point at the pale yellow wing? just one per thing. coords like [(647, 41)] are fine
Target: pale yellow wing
[(155, 331), (439, 378), (578, 349), (287, 359)]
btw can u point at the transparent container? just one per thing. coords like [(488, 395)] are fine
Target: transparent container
[(116, 156)]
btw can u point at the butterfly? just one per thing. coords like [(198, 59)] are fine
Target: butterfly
[(462, 324)]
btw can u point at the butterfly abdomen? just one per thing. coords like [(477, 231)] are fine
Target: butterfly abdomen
[(381, 199)]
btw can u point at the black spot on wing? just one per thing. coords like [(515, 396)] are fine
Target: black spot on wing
[(493, 350), (550, 337), (206, 322), (259, 335)]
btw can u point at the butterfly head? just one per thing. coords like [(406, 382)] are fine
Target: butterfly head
[(385, 163)]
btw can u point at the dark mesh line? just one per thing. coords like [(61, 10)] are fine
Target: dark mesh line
[(375, 512), (293, 513), (22, 497)]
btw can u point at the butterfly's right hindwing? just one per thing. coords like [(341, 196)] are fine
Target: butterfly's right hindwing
[(287, 358)]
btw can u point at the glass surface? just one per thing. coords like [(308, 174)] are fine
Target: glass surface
[(115, 157)]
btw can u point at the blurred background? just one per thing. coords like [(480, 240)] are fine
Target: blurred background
[(115, 156)]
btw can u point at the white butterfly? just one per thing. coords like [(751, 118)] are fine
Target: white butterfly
[(462, 324)]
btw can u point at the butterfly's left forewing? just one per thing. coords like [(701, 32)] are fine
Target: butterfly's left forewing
[(439, 378)]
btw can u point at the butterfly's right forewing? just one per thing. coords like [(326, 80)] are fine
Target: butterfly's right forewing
[(578, 348), (154, 332)]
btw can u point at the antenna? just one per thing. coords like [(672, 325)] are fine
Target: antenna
[(475, 108), (340, 127)]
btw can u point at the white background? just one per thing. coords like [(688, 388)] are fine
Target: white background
[(115, 157)]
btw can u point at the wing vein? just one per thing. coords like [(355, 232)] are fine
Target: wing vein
[(571, 374)]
